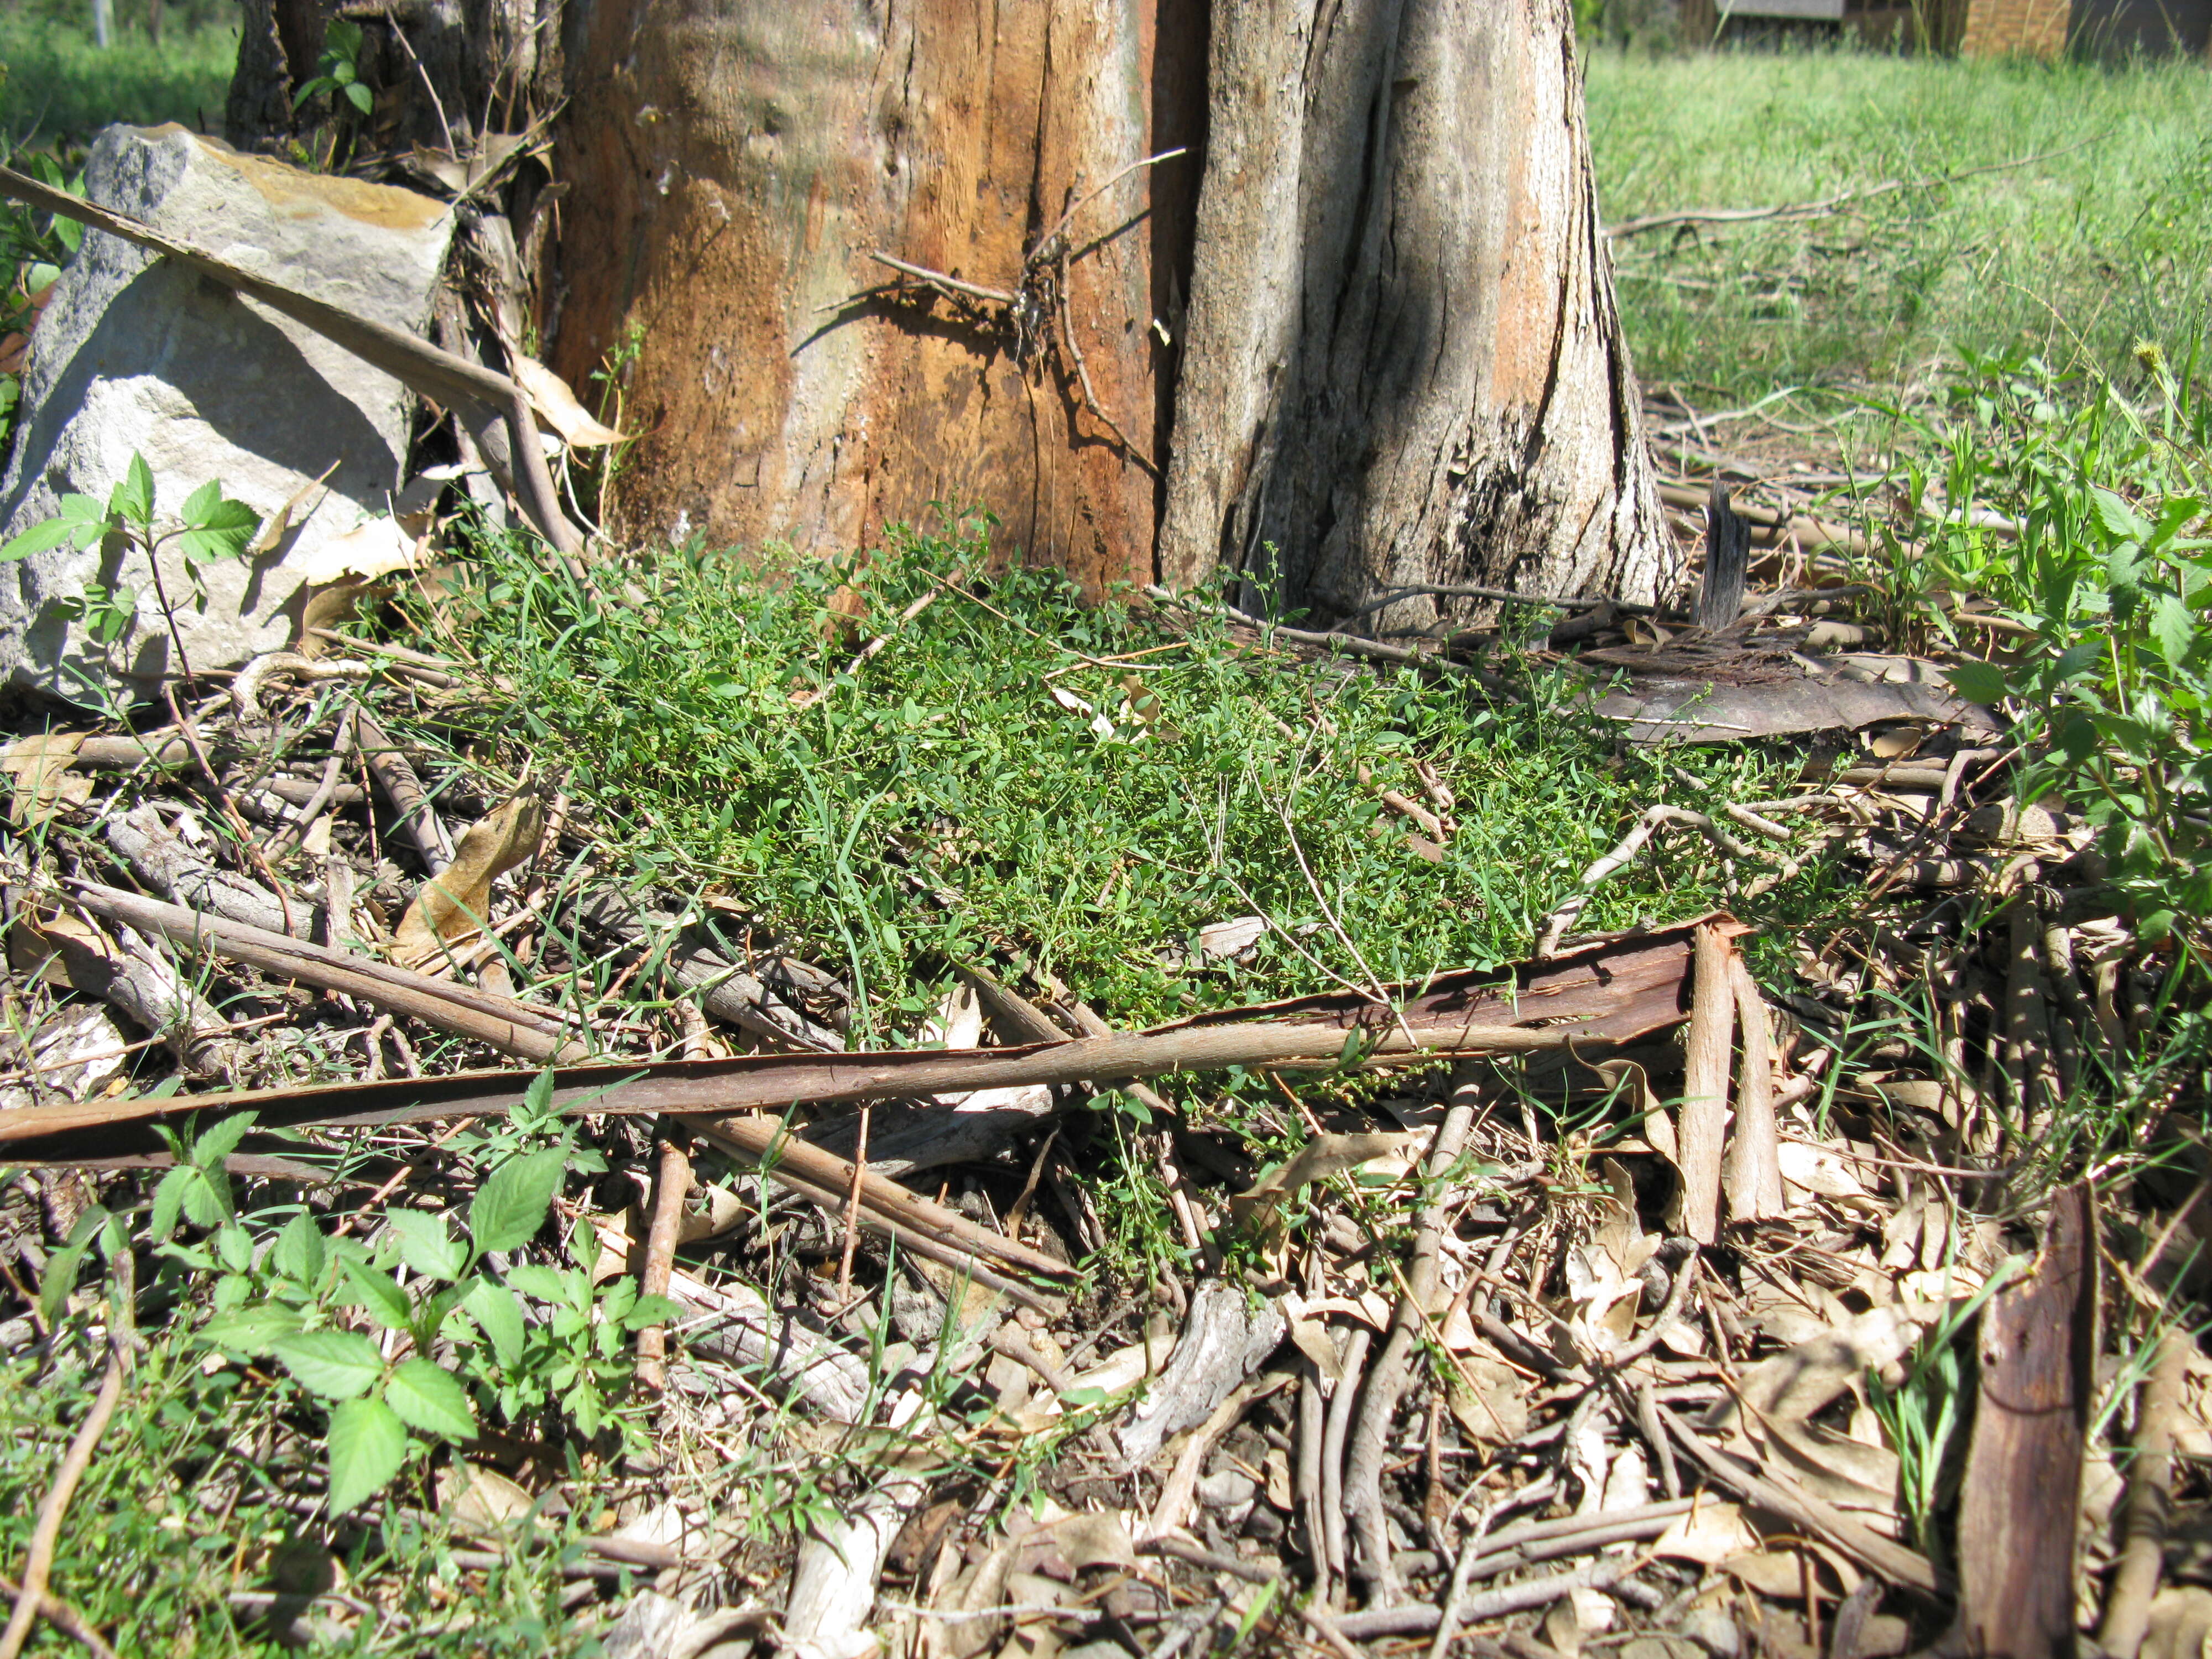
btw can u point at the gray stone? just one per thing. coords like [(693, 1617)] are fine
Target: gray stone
[(1713, 1631), (135, 355)]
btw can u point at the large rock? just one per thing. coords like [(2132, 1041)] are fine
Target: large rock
[(135, 354)]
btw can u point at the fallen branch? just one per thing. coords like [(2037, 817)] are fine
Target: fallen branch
[(1608, 991), (2150, 1497), (513, 1028), (1827, 205)]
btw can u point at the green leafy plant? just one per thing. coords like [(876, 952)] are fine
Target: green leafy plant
[(2105, 585), (337, 70), (212, 528), (458, 1338)]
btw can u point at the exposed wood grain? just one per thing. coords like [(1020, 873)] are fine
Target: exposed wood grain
[(1403, 363), (2020, 1504), (1753, 1171), (1700, 1133)]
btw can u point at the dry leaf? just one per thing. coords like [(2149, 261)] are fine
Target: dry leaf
[(1095, 1539), (38, 940), (1312, 1337), (1101, 728), (481, 1500), (298, 510), (1708, 1534), (375, 547), (1781, 1574), (1816, 1170), (2180, 1624), (1318, 1159), (1488, 1399), (456, 905), (1791, 1386), (1219, 940), (554, 403), (38, 767)]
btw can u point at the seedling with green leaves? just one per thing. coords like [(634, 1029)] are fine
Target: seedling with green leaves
[(212, 528), (458, 1336)]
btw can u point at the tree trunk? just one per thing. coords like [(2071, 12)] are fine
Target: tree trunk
[(1359, 334), (734, 163), (1404, 366)]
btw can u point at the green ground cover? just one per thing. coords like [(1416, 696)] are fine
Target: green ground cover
[(2106, 240)]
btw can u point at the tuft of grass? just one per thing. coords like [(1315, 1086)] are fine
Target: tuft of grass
[(2106, 240), (979, 785), (61, 88)]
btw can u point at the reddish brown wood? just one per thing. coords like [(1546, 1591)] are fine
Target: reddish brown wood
[(733, 164), (2020, 1508)]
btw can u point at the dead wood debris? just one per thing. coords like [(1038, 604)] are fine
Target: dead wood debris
[(1498, 1389)]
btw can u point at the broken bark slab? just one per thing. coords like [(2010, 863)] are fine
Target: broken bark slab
[(1728, 561), (2020, 1505), (162, 859), (1228, 1334), (1702, 1126), (135, 353), (1849, 694)]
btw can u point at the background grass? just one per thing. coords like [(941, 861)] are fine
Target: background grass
[(61, 88), (2074, 258)]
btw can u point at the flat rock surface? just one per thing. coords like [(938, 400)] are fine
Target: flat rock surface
[(135, 355)]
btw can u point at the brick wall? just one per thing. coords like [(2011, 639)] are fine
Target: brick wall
[(2020, 28)]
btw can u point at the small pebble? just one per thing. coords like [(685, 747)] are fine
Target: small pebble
[(1713, 1631), (1226, 1490)]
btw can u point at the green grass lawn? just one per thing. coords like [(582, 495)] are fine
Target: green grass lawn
[(60, 87), (2106, 240)]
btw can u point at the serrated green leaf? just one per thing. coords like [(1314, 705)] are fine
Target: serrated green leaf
[(1978, 681), (298, 1253), (335, 1364), (251, 1332), (499, 1316), (39, 538), (617, 1299), (169, 1200), (206, 1198), (510, 1208), (652, 1310), (221, 530), (60, 1276), (543, 1283), (431, 1399), (380, 1292), (200, 501), (220, 1140), (2173, 628), (368, 1446), (133, 499), (427, 1245), (2120, 521), (234, 1247)]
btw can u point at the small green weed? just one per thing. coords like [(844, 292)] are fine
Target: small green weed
[(212, 528), (2108, 583)]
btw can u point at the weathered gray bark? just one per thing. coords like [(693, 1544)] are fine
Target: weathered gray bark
[(1404, 364)]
